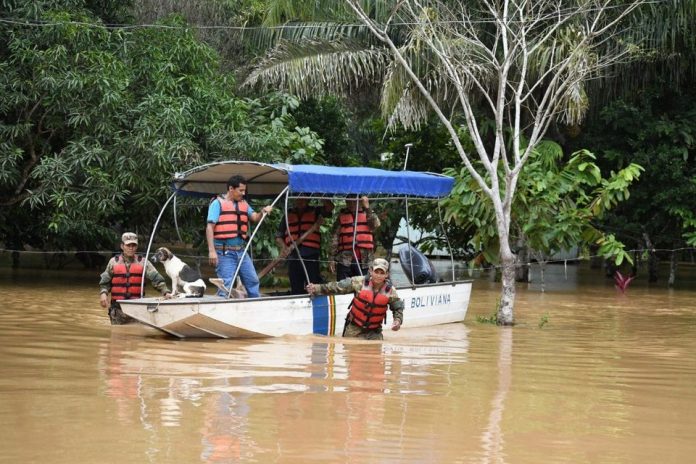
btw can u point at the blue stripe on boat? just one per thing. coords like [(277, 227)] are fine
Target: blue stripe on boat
[(320, 315)]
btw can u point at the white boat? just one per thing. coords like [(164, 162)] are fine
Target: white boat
[(273, 316)]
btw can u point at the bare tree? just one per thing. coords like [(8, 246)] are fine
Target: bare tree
[(522, 63)]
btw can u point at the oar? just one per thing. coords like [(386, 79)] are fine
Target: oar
[(297, 243), (237, 293)]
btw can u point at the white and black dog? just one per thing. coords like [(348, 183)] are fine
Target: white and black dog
[(183, 276)]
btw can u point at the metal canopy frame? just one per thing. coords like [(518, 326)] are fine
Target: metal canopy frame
[(269, 181)]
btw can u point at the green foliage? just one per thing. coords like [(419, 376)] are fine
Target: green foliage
[(543, 320), (329, 118), (555, 207), (492, 319), (656, 129), (94, 121)]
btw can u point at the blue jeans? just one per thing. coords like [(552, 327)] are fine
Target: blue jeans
[(227, 264)]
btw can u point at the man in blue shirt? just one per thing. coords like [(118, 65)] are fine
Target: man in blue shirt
[(227, 231)]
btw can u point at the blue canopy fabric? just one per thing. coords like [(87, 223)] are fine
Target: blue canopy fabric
[(331, 180), (269, 180)]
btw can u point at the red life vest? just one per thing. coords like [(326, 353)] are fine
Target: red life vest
[(126, 281), (369, 308), (363, 236), (233, 221), (298, 225)]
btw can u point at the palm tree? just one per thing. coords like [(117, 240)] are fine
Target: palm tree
[(318, 48)]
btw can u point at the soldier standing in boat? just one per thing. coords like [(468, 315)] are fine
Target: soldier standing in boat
[(374, 294), (353, 242), (304, 223), (123, 279)]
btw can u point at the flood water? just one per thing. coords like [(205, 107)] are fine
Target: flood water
[(588, 375)]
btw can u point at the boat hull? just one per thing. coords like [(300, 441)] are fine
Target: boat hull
[(216, 317)]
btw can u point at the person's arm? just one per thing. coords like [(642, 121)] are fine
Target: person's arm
[(373, 221), (156, 279), (256, 216), (396, 305), (212, 219), (333, 288), (105, 283)]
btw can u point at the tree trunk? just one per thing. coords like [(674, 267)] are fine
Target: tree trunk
[(672, 269), (507, 294), (652, 258), (522, 271)]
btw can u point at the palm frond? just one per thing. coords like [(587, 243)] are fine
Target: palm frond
[(315, 68), (295, 31)]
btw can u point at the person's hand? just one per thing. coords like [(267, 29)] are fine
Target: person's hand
[(267, 209), (212, 258), (365, 202), (103, 300), (311, 288), (167, 296), (396, 325), (332, 267)]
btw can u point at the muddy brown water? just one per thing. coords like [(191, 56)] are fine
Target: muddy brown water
[(588, 375)]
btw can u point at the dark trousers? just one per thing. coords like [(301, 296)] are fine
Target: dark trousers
[(353, 330), (116, 315), (343, 271), (298, 280)]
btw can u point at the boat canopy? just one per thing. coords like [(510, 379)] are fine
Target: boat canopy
[(269, 180)]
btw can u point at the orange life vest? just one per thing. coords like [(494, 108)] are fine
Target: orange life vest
[(233, 221), (126, 281), (369, 308), (363, 236), (298, 225)]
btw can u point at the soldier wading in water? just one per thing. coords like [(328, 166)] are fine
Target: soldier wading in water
[(374, 294), (123, 277)]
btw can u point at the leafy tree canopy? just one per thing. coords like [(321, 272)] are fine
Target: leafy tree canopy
[(657, 129), (94, 120), (556, 208)]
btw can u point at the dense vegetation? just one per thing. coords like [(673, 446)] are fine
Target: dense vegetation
[(95, 118)]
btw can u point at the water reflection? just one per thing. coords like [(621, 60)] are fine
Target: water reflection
[(160, 384), (492, 438), (224, 434), (276, 366)]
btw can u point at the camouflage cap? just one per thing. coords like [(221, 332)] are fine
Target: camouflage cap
[(380, 263), (129, 237)]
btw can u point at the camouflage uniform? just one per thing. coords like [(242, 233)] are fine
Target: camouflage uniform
[(115, 314), (346, 258), (354, 285)]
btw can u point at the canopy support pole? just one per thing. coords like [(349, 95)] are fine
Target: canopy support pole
[(296, 248), (251, 239), (444, 232), (408, 148), (408, 222), (355, 213), (149, 243), (176, 223), (408, 238)]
